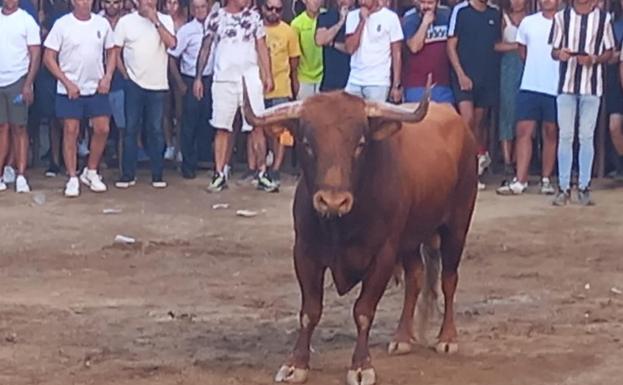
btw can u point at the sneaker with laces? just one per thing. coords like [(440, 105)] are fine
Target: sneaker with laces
[(21, 185), (219, 182), (547, 188), (2, 185), (92, 179), (562, 198), (9, 175), (265, 182), (584, 197), (125, 182), (484, 161), (72, 188), (515, 187)]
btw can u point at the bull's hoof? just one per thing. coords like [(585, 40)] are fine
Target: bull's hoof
[(361, 377), (399, 348), (447, 347), (291, 375)]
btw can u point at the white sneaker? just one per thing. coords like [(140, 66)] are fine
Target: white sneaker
[(83, 148), (515, 187), (21, 185), (9, 175), (169, 153), (159, 184), (72, 188), (93, 180), (547, 188), (270, 159), (481, 186), (227, 172), (2, 185), (484, 161)]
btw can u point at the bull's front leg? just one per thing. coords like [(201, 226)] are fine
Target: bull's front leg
[(310, 275), (372, 289)]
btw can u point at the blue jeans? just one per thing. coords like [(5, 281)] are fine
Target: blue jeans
[(195, 118), (373, 93), (143, 107), (587, 108)]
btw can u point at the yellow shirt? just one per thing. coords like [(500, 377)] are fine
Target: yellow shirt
[(282, 44)]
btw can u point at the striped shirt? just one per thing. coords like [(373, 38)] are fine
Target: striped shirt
[(582, 34)]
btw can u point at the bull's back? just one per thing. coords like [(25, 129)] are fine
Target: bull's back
[(436, 157)]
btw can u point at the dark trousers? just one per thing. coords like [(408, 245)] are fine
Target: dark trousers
[(195, 122), (143, 106)]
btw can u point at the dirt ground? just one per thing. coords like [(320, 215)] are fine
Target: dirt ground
[(206, 297)]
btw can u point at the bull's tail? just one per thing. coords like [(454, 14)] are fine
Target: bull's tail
[(427, 303)]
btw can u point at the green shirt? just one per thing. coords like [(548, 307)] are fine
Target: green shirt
[(310, 63)]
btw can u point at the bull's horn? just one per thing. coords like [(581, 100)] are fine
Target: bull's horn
[(393, 112), (277, 114)]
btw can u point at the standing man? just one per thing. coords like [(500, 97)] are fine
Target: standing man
[(473, 31), (374, 39), (196, 113), (536, 100), (283, 46), (19, 62), (331, 36), (144, 37), (310, 64), (582, 41), (76, 49), (426, 32), (240, 51)]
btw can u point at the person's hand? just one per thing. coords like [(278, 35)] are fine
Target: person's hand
[(73, 92), (268, 84), (103, 87), (364, 13), (395, 95), (28, 94), (587, 60), (198, 89), (465, 83), (149, 13), (429, 17), (343, 14), (564, 54)]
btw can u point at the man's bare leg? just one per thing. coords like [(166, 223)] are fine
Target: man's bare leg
[(71, 130), (4, 144), (550, 142), (523, 148), (616, 132), (101, 127)]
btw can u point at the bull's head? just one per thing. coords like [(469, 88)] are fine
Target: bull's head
[(334, 133)]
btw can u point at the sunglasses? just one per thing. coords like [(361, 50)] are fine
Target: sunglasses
[(273, 9)]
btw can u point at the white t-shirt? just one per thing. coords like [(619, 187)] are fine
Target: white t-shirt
[(540, 71), (189, 39), (80, 46), (370, 64), (235, 36), (17, 31), (144, 53)]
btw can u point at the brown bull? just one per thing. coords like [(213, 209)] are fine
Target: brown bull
[(378, 182)]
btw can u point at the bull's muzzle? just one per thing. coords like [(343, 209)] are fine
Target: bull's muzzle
[(333, 203)]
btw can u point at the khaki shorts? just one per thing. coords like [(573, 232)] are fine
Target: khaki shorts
[(227, 98), (13, 113)]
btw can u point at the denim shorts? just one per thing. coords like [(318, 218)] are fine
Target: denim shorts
[(439, 94), (84, 107), (268, 103)]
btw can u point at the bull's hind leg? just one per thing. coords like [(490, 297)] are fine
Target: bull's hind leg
[(310, 276), (452, 243), (403, 340)]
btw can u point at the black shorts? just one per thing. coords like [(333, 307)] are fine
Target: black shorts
[(535, 106), (483, 94)]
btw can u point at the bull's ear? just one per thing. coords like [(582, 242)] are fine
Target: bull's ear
[(383, 128), (276, 130)]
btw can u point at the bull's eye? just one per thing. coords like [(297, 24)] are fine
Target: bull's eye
[(360, 146), (308, 148)]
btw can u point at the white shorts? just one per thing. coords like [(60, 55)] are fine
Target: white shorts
[(227, 98)]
